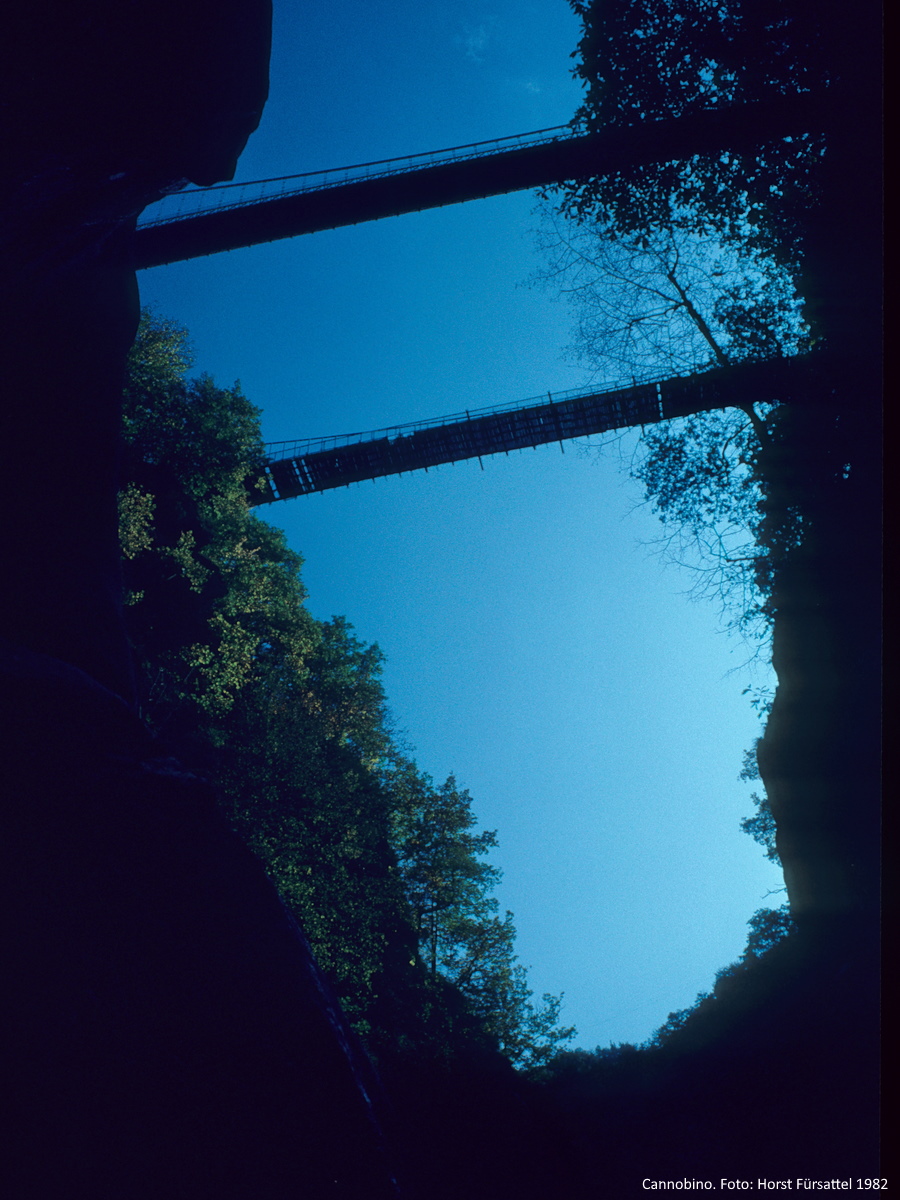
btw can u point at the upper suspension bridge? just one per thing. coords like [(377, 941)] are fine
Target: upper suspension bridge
[(230, 216), (318, 464)]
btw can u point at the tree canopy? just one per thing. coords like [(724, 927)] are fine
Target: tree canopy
[(384, 870), (801, 213), (642, 60)]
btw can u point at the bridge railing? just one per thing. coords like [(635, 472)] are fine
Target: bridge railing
[(194, 201), (276, 451)]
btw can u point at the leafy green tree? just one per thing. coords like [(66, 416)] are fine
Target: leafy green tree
[(462, 937), (695, 260), (288, 716), (213, 589), (439, 857)]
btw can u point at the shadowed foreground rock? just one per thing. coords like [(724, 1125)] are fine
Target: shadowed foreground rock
[(167, 1031)]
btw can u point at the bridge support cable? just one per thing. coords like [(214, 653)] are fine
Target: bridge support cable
[(469, 177), (300, 468)]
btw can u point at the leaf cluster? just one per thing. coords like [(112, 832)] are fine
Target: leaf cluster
[(463, 939), (645, 60)]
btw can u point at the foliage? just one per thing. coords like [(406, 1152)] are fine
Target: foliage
[(296, 773), (440, 860), (213, 589), (768, 927), (644, 60), (462, 937), (288, 716), (699, 476), (687, 264), (760, 827)]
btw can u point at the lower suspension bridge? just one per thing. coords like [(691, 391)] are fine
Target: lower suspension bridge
[(299, 468)]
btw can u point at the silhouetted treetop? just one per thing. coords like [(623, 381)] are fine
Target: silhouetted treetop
[(645, 60)]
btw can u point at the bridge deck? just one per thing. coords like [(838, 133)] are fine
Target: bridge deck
[(297, 469), (469, 173)]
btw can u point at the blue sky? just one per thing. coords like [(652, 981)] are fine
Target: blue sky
[(535, 644)]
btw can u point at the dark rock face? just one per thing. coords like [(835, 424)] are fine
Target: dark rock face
[(172, 88), (166, 1031), (820, 756), (103, 106)]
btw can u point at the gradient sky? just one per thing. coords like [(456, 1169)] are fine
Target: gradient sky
[(536, 646)]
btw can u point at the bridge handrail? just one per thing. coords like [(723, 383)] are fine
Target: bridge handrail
[(336, 176), (277, 451)]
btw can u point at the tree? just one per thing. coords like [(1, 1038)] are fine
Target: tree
[(440, 862), (300, 772), (213, 590), (761, 827), (647, 59), (462, 938), (289, 718), (672, 301), (768, 927), (668, 298)]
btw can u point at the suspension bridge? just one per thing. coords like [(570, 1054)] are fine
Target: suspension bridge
[(231, 216), (299, 468)]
